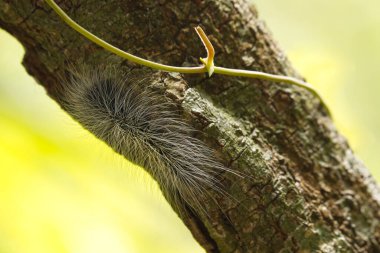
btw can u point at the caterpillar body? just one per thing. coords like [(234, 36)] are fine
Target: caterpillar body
[(141, 125)]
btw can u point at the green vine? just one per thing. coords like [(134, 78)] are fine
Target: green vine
[(208, 62)]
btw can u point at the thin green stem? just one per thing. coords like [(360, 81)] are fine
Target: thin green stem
[(270, 77), (208, 61), (265, 76), (119, 52)]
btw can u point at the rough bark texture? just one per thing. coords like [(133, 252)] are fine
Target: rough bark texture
[(307, 191)]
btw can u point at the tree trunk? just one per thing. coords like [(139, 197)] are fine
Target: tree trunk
[(306, 191)]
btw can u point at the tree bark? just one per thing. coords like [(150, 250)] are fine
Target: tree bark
[(306, 191)]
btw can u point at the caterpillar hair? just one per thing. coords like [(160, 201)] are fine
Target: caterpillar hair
[(146, 129)]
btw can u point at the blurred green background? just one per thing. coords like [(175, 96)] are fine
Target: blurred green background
[(61, 190)]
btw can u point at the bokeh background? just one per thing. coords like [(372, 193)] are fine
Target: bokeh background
[(61, 190)]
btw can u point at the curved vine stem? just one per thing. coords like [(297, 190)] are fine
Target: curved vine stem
[(208, 62), (119, 52)]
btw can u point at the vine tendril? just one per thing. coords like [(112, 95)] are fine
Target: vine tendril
[(208, 62)]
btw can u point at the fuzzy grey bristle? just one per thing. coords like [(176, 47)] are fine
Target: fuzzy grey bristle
[(144, 128)]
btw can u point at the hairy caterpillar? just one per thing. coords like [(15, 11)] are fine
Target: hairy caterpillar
[(141, 125)]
